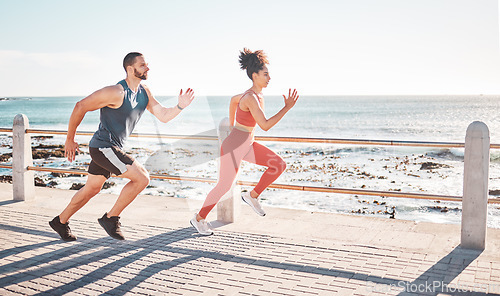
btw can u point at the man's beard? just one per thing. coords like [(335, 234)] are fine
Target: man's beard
[(142, 76)]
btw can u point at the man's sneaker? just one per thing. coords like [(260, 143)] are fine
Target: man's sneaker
[(201, 226), (112, 226), (253, 202), (62, 229)]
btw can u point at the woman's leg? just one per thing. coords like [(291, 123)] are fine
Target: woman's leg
[(261, 155), (234, 148)]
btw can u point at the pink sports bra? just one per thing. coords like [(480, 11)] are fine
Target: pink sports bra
[(245, 117)]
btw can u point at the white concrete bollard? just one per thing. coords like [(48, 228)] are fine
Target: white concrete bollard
[(229, 205), (475, 195), (23, 181)]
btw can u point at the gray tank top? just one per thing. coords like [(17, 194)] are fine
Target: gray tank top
[(117, 124)]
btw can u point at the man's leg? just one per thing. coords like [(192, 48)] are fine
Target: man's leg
[(92, 187), (139, 179), (60, 223)]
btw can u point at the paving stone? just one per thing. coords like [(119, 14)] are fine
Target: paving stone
[(167, 260), (482, 275), (5, 292), (20, 290)]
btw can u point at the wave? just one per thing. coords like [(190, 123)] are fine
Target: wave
[(15, 99), (459, 153), (494, 155), (448, 153)]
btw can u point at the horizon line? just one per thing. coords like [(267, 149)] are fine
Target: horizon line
[(309, 95)]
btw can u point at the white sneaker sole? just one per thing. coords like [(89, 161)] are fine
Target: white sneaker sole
[(202, 233), (251, 205)]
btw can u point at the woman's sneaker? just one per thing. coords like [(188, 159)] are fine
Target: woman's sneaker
[(201, 226), (62, 229), (253, 202)]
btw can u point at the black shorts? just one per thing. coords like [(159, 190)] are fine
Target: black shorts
[(107, 161)]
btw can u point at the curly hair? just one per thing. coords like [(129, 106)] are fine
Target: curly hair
[(253, 62)]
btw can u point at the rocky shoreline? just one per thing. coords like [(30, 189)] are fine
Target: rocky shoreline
[(46, 152), (303, 166)]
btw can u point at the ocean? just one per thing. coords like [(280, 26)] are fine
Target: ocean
[(415, 118)]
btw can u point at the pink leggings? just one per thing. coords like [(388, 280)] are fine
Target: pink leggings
[(238, 146)]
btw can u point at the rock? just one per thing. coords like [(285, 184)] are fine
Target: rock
[(432, 166), (76, 186), (58, 175), (108, 185), (5, 157), (52, 184), (42, 137), (39, 182), (45, 151), (392, 215), (42, 146), (444, 209), (6, 179), (44, 154), (75, 175), (495, 192)]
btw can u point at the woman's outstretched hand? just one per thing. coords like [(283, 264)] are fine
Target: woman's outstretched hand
[(291, 99), (186, 98)]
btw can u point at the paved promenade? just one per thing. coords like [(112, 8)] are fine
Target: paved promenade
[(287, 252)]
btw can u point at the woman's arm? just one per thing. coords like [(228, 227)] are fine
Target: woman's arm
[(252, 103), (232, 108)]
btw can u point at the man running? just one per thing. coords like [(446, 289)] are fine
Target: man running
[(121, 107)]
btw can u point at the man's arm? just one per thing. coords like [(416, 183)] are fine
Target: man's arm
[(165, 114), (111, 96)]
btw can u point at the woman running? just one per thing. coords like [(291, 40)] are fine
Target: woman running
[(245, 111)]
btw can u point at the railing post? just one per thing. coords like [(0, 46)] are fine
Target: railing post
[(229, 205), (475, 195), (22, 180)]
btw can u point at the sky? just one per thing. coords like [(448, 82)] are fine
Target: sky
[(333, 47)]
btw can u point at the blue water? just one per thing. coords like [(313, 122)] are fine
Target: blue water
[(428, 118)]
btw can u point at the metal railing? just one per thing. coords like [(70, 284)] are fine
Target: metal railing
[(275, 185), (279, 186), (276, 139)]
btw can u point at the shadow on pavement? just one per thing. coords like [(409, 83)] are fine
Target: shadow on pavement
[(96, 259), (436, 280)]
